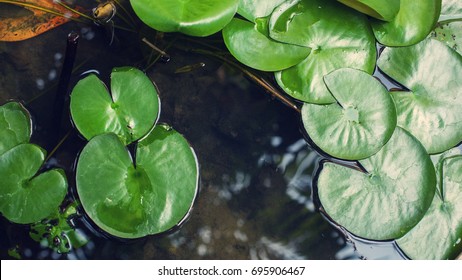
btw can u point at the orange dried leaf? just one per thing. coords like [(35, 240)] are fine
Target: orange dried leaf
[(25, 27)]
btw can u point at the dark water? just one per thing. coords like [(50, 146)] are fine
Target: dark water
[(256, 169)]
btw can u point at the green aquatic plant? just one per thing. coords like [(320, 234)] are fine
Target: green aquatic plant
[(130, 111), (383, 10), (389, 198), (134, 199), (26, 195), (431, 108), (354, 127), (193, 17), (414, 21), (130, 197), (441, 227)]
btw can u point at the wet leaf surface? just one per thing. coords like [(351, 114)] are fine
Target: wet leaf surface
[(253, 9), (256, 50), (414, 21), (130, 112), (359, 123), (390, 199), (451, 10), (450, 34), (194, 17), (432, 109), (15, 126), (441, 228), (336, 42), (131, 202), (383, 10), (26, 197)]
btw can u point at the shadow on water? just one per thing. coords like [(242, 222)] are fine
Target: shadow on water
[(256, 170)]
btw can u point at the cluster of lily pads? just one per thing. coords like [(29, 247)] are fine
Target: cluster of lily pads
[(323, 53), (127, 196), (130, 196)]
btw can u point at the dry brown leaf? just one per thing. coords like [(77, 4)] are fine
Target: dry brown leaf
[(22, 28)]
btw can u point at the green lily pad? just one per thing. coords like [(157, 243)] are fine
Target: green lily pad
[(383, 10), (450, 10), (191, 17), (15, 126), (450, 34), (130, 113), (256, 50), (26, 197), (390, 199), (132, 201), (432, 109), (414, 21), (336, 42), (253, 9), (359, 124), (441, 228)]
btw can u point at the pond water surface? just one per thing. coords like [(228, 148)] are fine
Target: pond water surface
[(256, 169)]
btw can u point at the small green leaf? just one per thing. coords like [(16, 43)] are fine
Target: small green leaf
[(24, 196), (383, 10), (336, 42), (130, 113), (414, 21), (256, 50), (432, 109), (440, 231), (253, 9), (131, 202), (450, 10), (15, 126), (390, 199), (359, 124), (191, 17)]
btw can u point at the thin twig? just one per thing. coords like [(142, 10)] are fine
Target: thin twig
[(58, 144)]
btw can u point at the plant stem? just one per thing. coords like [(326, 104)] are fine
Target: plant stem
[(63, 85), (58, 145)]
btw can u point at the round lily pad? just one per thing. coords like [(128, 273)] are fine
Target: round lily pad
[(15, 126), (359, 123), (130, 113), (414, 21), (26, 197), (253, 9), (432, 108), (451, 10), (441, 228), (132, 201), (383, 10), (388, 200), (336, 42), (256, 50), (191, 17)]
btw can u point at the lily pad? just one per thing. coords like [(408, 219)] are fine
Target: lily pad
[(441, 228), (336, 42), (256, 50), (191, 17), (253, 9), (132, 201), (432, 108), (26, 197), (388, 200), (130, 113), (359, 124), (451, 10), (15, 126), (450, 34), (414, 21), (383, 10)]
